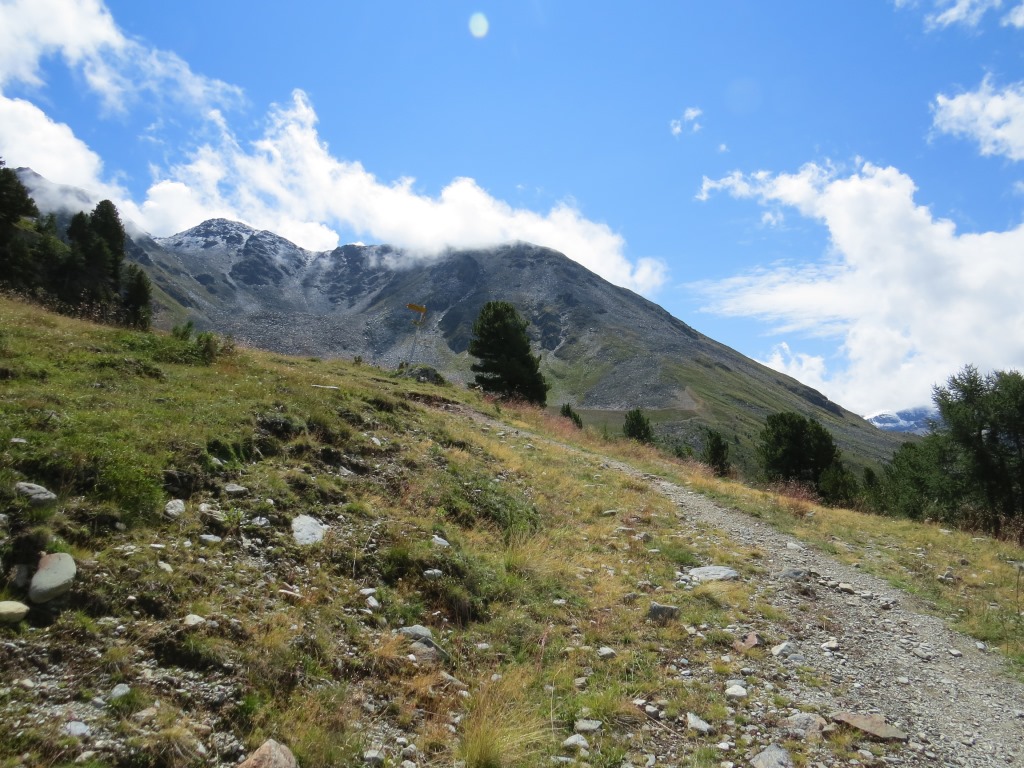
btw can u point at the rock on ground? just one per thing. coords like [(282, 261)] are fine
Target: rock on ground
[(271, 754), (53, 577), (37, 495), (11, 611), (772, 757), (713, 573), (307, 530)]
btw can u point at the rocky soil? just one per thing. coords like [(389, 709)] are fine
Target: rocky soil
[(874, 649), (842, 670)]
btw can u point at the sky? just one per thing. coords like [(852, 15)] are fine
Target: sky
[(834, 189)]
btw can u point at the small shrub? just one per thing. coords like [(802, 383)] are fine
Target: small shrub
[(567, 411)]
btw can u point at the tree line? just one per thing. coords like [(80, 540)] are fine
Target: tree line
[(81, 270)]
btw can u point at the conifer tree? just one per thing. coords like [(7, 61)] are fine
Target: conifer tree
[(506, 365)]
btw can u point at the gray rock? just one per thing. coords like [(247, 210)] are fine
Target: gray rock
[(209, 538), (77, 728), (374, 757), (605, 653), (234, 489), (576, 742), (120, 690), (437, 541), (662, 613), (37, 495), (193, 620), (783, 649), (307, 530), (432, 574), (694, 723), (773, 757), (271, 754), (735, 692), (417, 631), (587, 726), (53, 578), (4, 521), (174, 509), (804, 725), (11, 611), (424, 652), (713, 573)]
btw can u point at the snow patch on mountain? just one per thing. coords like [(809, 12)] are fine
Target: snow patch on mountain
[(916, 421)]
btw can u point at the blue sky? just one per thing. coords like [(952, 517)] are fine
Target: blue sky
[(835, 189)]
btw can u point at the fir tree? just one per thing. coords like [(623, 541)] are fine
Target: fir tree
[(507, 367)]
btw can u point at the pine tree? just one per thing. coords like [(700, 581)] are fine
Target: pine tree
[(638, 427), (507, 366), (715, 452), (137, 297), (106, 225)]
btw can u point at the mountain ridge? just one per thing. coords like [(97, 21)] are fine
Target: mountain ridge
[(604, 349)]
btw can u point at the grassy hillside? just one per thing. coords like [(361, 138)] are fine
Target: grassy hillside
[(550, 557)]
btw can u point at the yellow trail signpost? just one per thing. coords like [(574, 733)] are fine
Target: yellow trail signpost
[(422, 311)]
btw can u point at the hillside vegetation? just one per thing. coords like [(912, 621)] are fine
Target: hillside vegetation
[(501, 530)]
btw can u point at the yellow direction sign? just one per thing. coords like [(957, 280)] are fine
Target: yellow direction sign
[(417, 308)]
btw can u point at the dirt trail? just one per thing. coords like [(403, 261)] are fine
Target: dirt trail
[(958, 703)]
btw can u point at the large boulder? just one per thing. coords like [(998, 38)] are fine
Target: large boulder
[(53, 577)]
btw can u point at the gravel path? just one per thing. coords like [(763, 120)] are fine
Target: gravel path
[(955, 700), (954, 697)]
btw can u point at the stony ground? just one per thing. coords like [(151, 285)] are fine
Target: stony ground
[(874, 648), (829, 639)]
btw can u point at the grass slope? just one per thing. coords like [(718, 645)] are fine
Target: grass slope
[(547, 550)]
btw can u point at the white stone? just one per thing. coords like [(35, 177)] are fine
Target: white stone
[(694, 723), (174, 509), (11, 611), (713, 573), (735, 692), (193, 620), (307, 530), (575, 742)]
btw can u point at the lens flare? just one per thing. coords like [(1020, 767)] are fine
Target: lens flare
[(478, 25)]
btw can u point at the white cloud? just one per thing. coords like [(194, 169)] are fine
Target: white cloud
[(969, 13), (1015, 18), (966, 12), (994, 118), (29, 137), (689, 119), (910, 298), (809, 369), (723, 148), (772, 218), (289, 182), (118, 69)]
